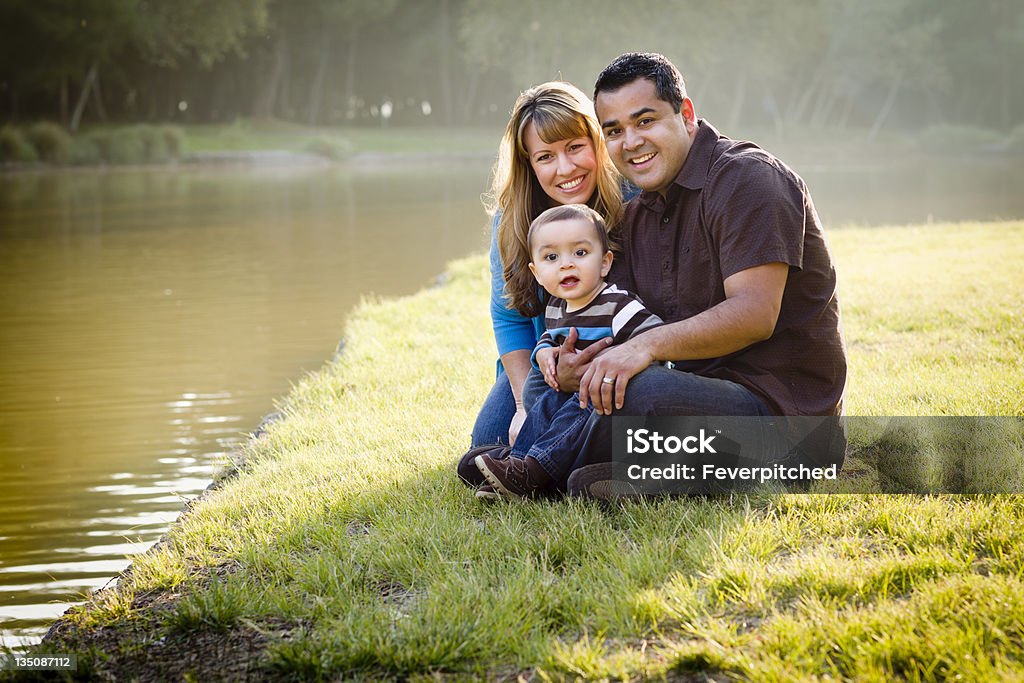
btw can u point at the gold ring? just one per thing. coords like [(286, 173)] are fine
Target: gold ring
[(608, 380)]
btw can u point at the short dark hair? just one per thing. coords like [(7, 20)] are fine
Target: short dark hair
[(568, 212), (628, 67)]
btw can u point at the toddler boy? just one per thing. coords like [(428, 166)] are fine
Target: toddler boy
[(570, 258)]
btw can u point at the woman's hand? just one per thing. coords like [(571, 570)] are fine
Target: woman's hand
[(547, 361), (517, 423)]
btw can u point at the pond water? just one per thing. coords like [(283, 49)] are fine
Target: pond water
[(149, 318)]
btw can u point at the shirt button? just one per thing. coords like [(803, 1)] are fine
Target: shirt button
[(666, 219)]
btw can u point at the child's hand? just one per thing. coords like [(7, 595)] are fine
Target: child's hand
[(547, 361)]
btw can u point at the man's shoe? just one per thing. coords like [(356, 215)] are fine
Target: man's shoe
[(598, 482), (467, 469), (514, 477)]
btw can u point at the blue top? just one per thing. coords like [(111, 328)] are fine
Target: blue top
[(513, 331)]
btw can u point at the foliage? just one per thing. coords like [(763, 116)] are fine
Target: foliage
[(336, 149), (1016, 139), (154, 145), (52, 142), (174, 140), (14, 146), (85, 150), (173, 31), (872, 64), (122, 146)]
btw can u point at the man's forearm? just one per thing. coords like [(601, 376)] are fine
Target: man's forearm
[(732, 325), (747, 316)]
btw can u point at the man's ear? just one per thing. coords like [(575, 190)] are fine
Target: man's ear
[(689, 115), (606, 263)]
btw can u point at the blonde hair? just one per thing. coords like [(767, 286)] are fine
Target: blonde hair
[(558, 111)]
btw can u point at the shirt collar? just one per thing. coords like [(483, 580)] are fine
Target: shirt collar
[(695, 169)]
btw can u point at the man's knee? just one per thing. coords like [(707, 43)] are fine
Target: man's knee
[(655, 391), (663, 391)]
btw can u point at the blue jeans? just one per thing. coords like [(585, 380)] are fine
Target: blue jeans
[(552, 430), (655, 391), (495, 415)]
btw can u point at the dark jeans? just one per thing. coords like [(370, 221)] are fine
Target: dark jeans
[(552, 431), (655, 391)]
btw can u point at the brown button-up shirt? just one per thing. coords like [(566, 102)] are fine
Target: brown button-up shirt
[(732, 207)]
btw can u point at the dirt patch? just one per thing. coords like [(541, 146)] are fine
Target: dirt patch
[(141, 651)]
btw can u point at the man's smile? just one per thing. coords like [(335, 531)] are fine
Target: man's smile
[(640, 160)]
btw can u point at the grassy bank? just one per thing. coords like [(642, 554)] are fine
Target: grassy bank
[(341, 142), (345, 547), (48, 144)]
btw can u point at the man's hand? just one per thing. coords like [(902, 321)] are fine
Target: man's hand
[(547, 361), (604, 382), (572, 363)]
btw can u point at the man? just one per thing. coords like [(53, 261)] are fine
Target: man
[(724, 245)]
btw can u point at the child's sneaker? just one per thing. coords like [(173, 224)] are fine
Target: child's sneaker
[(487, 494), (467, 469), (514, 477)]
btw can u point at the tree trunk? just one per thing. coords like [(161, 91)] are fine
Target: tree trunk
[(883, 113), (470, 96), (796, 111), (101, 111), (823, 108), (1005, 82), (284, 96), (64, 101), (773, 105), (350, 73), (738, 97), (316, 93), (83, 97), (446, 79), (266, 100), (844, 120)]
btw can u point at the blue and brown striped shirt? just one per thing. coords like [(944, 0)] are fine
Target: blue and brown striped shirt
[(613, 313)]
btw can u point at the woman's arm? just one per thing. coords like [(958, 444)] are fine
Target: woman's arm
[(512, 331), (514, 334)]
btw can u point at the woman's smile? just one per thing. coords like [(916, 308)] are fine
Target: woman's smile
[(566, 170)]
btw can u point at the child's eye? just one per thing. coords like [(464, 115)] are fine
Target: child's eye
[(581, 252), (550, 257)]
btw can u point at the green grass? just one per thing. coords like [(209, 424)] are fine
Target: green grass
[(348, 533), (137, 144), (244, 135)]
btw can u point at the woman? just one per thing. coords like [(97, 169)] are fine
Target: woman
[(552, 153)]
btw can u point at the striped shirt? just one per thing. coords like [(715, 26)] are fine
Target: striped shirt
[(613, 313)]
